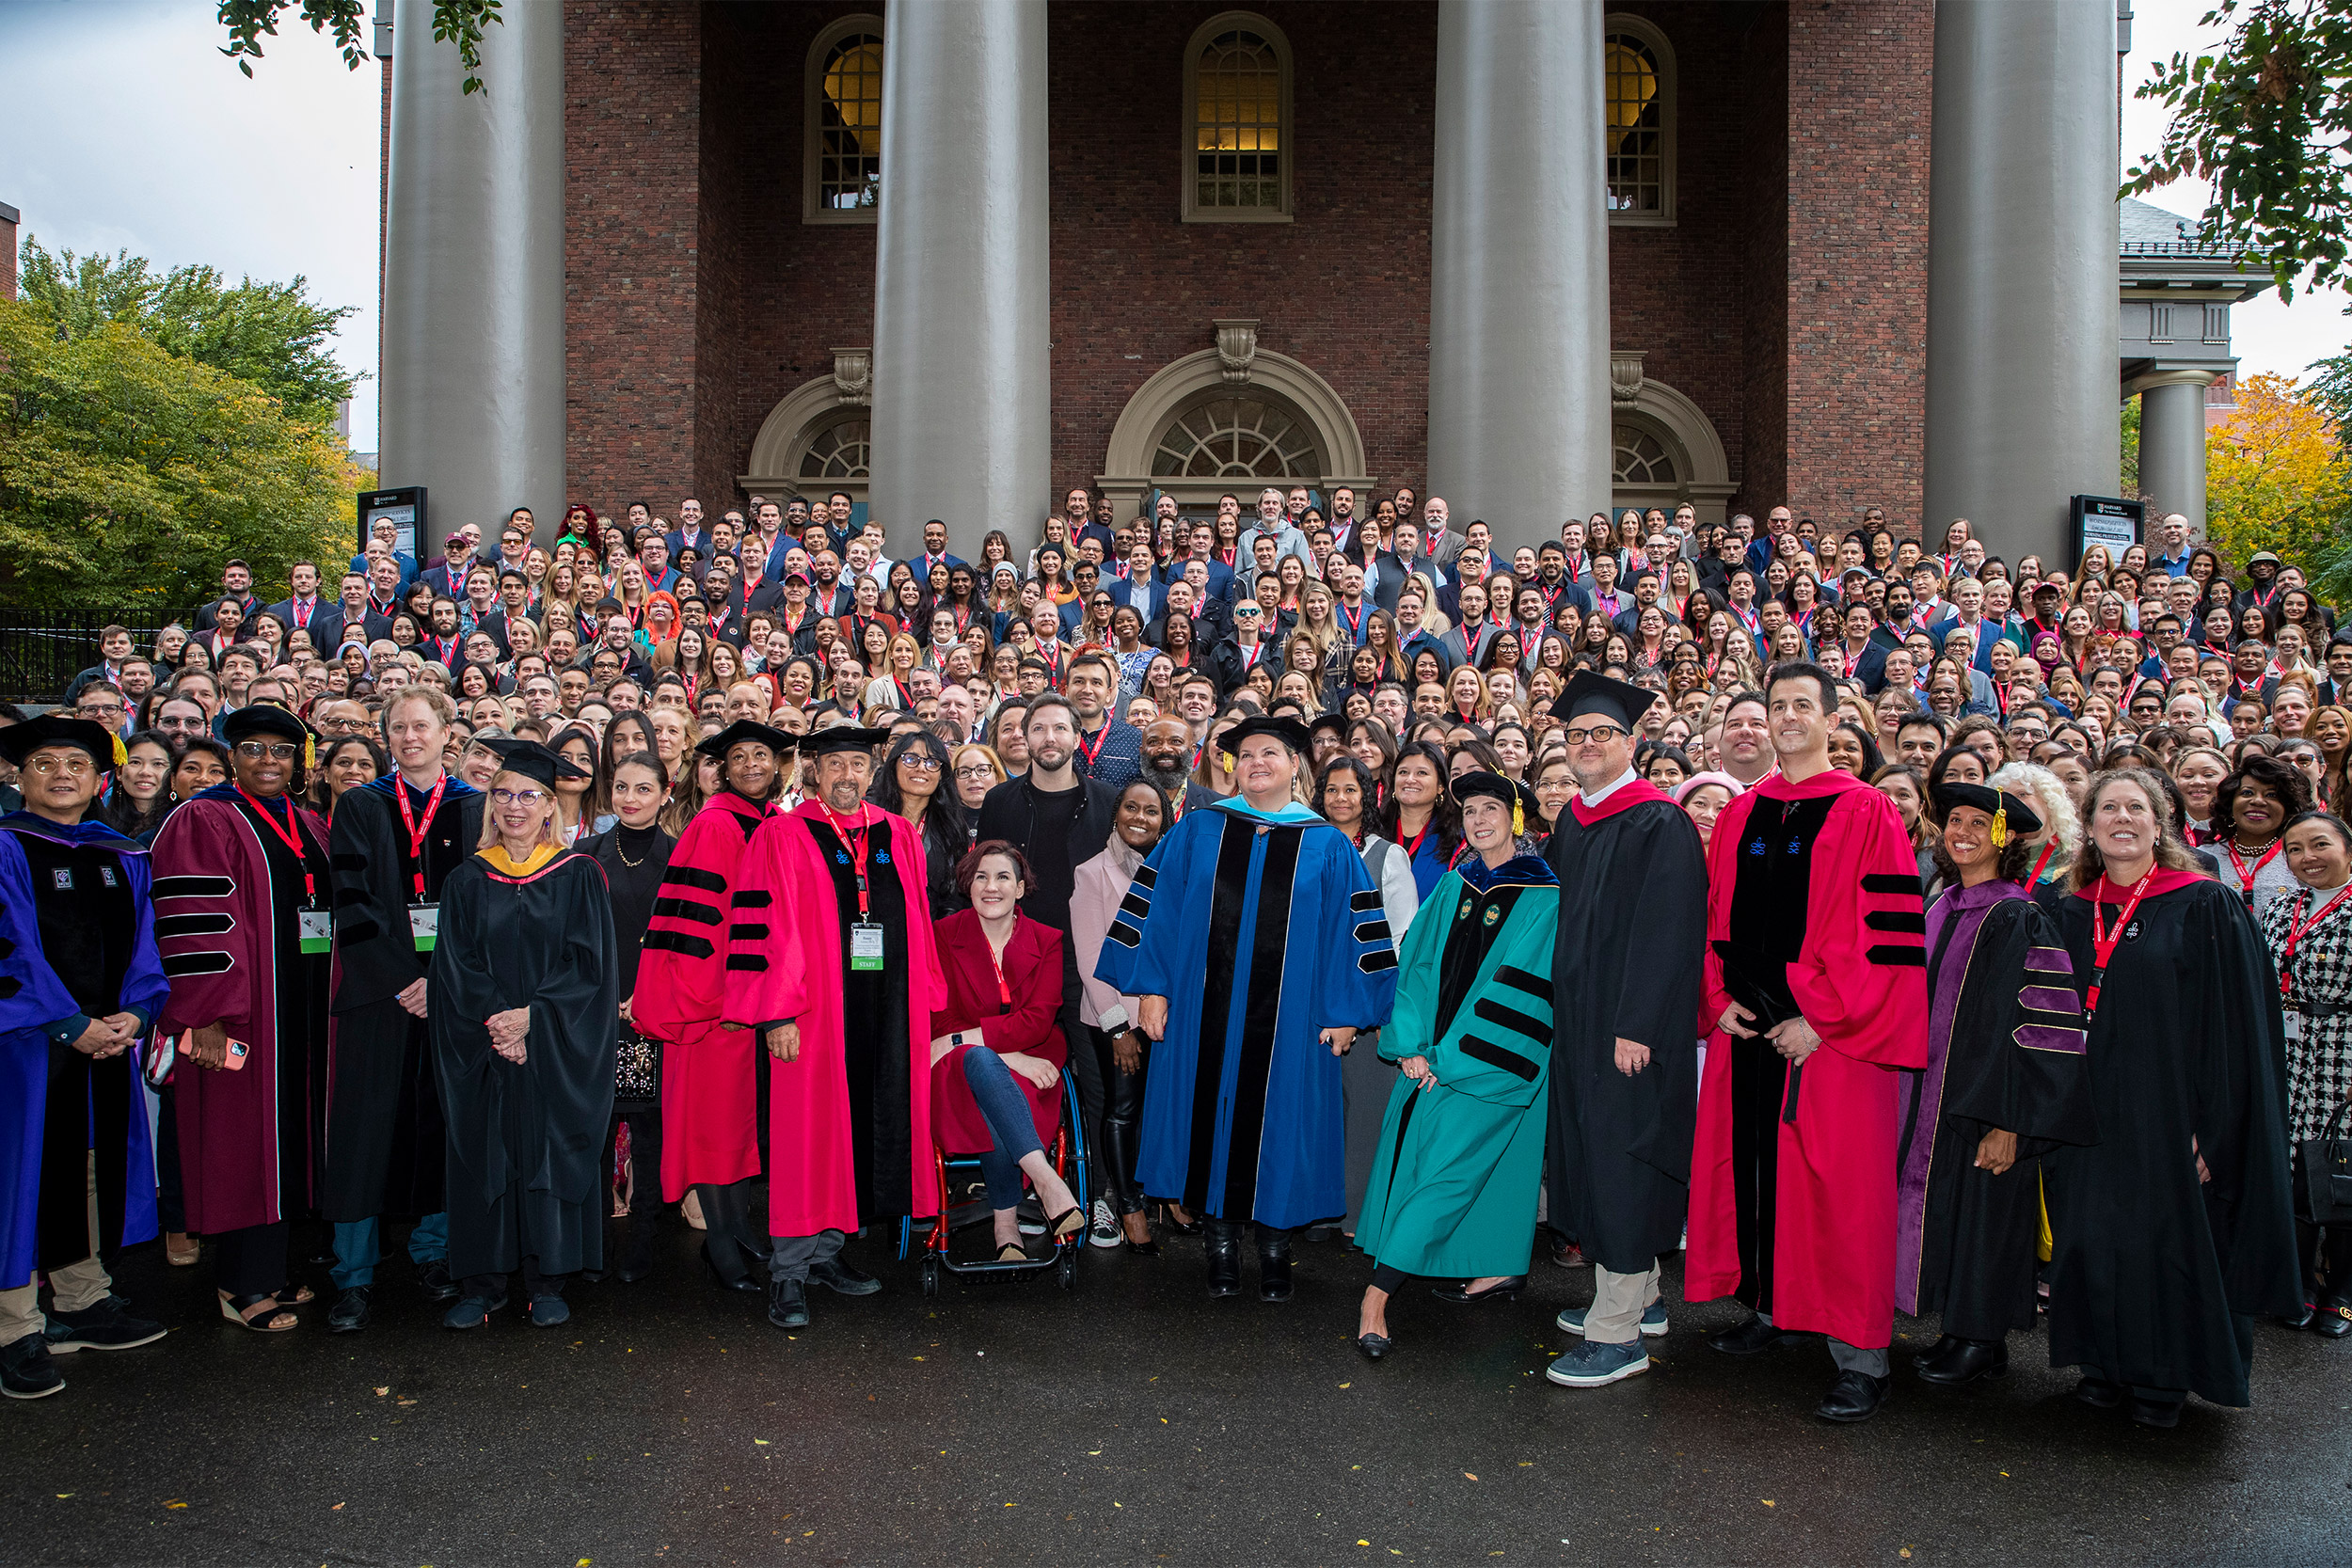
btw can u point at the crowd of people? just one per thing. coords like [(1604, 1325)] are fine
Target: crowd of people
[(1886, 925)]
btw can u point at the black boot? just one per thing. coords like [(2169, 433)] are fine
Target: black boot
[(1273, 1264), (1956, 1361), (1221, 1241)]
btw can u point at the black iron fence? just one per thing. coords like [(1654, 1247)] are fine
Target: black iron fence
[(39, 654)]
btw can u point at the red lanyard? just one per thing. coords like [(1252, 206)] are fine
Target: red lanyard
[(2042, 864), (2102, 945), (1102, 739), (2296, 930), (292, 839), (1004, 990), (2245, 877), (1412, 845), (418, 830), (856, 840), (1354, 623)]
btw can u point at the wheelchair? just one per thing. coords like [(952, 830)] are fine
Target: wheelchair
[(1068, 1156)]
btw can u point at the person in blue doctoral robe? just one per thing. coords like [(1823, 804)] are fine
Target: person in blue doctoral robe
[(80, 980), (1255, 940)]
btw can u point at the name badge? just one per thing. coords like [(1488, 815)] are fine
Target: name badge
[(865, 945), (317, 929), (424, 925), (2294, 1025)]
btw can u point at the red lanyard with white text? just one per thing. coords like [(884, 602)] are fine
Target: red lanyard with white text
[(2245, 877), (2102, 945), (1102, 739), (418, 830), (856, 840), (2297, 929), (292, 838)]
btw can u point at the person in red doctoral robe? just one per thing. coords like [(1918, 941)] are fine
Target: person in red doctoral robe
[(1814, 993), (840, 976), (709, 1071)]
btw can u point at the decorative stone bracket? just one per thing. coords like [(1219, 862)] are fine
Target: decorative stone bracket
[(1625, 377), (1236, 347), (853, 374)]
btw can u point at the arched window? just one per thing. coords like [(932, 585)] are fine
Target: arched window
[(843, 131), (1236, 438), (839, 451), (1639, 74), (1237, 122), (1640, 458)]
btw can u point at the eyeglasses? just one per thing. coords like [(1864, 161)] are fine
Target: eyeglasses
[(275, 750), (518, 796), (94, 710), (920, 762), (977, 770), (1601, 733), (73, 767), (343, 726), (181, 723), (1246, 612)]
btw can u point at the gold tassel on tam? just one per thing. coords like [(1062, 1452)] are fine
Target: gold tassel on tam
[(2001, 820), (121, 755), (1519, 817)]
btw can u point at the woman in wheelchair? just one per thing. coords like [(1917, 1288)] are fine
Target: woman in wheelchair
[(996, 1049)]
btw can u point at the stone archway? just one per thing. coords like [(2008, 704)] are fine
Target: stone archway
[(818, 437), (1252, 416), (1666, 448)]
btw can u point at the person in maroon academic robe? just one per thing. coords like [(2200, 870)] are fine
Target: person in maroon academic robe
[(1815, 994), (710, 1072), (240, 872), (841, 981)]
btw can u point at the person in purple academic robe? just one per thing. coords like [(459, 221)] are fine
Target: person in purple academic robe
[(2006, 1080), (242, 900), (79, 981)]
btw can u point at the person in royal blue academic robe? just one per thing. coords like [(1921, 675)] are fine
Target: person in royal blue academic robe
[(1256, 946), (80, 980)]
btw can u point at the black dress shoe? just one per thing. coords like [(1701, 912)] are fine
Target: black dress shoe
[(1462, 1295), (1956, 1361), (1372, 1346), (2098, 1393), (743, 1282), (1222, 1243), (350, 1313), (2332, 1319), (1327, 1232), (787, 1304), (434, 1280), (27, 1371), (1854, 1397), (1942, 1347), (2303, 1319), (1141, 1250), (842, 1279), (2161, 1414), (1748, 1338), (1273, 1264)]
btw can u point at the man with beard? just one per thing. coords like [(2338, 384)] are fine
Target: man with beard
[(1108, 749), (1168, 762)]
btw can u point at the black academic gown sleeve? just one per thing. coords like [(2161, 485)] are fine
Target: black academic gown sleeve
[(525, 1140), (1993, 1078)]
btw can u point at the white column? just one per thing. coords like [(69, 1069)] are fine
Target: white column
[(1518, 294), (2172, 444), (2021, 394), (473, 272), (962, 428)]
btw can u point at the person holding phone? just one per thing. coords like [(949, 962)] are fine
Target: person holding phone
[(242, 903), (79, 980)]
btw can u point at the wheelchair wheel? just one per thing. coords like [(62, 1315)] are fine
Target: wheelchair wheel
[(1067, 1269), (931, 1276)]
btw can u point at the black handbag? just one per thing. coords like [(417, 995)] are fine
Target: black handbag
[(2328, 1171), (636, 1066)]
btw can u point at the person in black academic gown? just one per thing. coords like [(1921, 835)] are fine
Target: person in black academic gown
[(526, 1003), (2175, 1230), (393, 843), (2006, 1080), (635, 855), (1624, 1037)]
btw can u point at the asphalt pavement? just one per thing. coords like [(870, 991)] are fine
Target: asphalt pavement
[(1131, 1420)]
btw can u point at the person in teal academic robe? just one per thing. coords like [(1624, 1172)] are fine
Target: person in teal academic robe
[(1461, 1155)]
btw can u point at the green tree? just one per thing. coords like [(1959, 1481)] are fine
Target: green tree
[(271, 334), (459, 21), (128, 473), (2268, 120)]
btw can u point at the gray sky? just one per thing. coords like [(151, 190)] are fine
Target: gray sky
[(122, 126)]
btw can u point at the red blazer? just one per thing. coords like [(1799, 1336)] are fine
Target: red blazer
[(1033, 973)]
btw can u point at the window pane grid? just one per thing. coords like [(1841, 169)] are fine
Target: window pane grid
[(1641, 459), (1235, 438), (839, 453), (1237, 114), (1637, 138), (849, 159)]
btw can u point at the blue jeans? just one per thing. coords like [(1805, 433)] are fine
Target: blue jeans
[(1006, 1112), (356, 1244)]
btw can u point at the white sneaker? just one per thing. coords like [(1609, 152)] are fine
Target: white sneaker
[(1106, 1231)]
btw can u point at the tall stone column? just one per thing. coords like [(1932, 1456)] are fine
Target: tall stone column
[(961, 275), (2022, 309), (2172, 444), (473, 272), (1519, 288)]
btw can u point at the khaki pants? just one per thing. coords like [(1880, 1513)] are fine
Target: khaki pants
[(76, 1287), (1618, 1303)]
